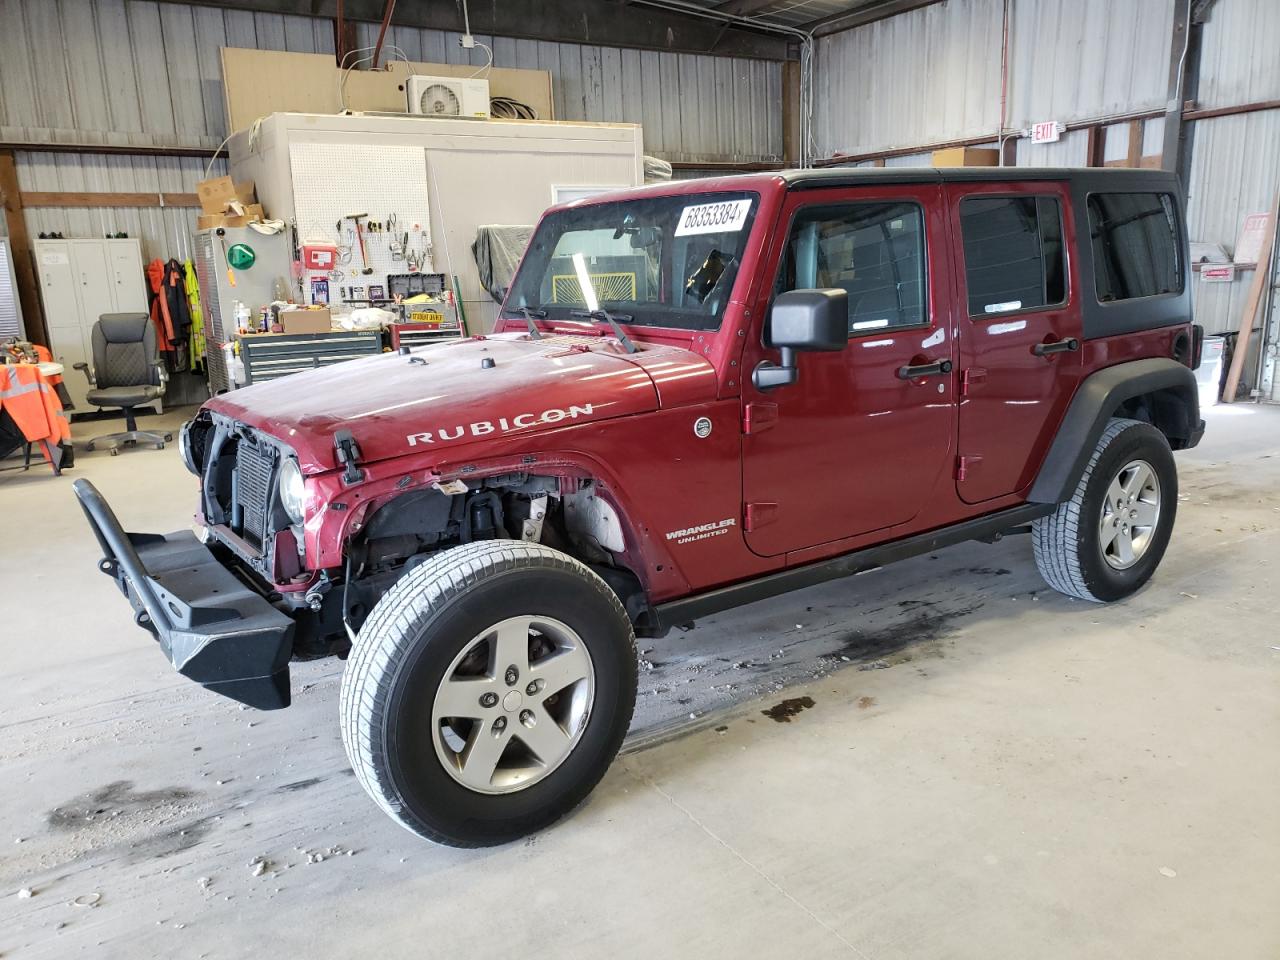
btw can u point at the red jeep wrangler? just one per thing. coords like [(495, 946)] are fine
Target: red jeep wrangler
[(699, 395)]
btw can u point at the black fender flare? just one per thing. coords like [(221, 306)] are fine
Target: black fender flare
[(1098, 396)]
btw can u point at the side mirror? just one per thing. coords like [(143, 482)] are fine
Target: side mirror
[(802, 320)]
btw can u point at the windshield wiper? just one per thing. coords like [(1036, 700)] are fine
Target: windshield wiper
[(531, 317), (603, 315)]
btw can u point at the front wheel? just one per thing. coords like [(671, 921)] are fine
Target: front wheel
[(1107, 540), (488, 692)]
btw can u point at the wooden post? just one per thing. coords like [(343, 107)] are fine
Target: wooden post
[(1096, 146), (1137, 133), (1261, 277), (791, 112), (20, 244)]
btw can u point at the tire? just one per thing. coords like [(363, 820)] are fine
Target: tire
[(1080, 548), (411, 654)]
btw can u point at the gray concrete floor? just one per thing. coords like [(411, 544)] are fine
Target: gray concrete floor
[(987, 770)]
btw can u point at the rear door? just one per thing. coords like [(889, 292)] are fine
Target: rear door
[(856, 445), (1019, 329)]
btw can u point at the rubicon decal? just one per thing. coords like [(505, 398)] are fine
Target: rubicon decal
[(702, 531), (521, 421)]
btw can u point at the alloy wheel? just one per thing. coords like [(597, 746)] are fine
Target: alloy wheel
[(513, 704), (1130, 515)]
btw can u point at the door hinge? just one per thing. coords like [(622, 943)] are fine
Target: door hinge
[(964, 465), (971, 376), (757, 515), (759, 416)]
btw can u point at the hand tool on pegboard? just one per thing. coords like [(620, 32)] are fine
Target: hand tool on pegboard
[(356, 218)]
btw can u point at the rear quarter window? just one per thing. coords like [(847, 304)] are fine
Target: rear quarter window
[(1013, 254), (1136, 249)]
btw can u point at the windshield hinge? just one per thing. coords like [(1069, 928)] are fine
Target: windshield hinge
[(347, 452)]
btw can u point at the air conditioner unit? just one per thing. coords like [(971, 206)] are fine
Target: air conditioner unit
[(448, 97)]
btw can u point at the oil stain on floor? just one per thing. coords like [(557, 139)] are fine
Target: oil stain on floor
[(783, 712)]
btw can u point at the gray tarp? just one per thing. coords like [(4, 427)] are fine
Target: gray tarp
[(498, 250)]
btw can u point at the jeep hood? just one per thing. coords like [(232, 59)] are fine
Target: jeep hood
[(451, 394)]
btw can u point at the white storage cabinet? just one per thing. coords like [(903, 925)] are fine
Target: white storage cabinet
[(79, 281)]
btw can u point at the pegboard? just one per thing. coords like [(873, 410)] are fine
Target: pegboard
[(332, 181)]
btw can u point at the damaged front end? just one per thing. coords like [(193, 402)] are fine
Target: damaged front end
[(211, 626)]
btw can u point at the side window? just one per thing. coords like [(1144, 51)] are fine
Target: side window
[(874, 251), (1013, 254), (1135, 245)]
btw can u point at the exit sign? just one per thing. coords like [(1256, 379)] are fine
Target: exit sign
[(1046, 132)]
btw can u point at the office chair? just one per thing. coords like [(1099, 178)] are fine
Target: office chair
[(127, 372)]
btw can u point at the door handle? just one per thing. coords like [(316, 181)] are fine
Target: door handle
[(910, 372), (1058, 346)]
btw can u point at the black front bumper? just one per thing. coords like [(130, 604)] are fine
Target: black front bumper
[(213, 628)]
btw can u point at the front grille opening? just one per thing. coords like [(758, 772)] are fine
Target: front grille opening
[(251, 492)]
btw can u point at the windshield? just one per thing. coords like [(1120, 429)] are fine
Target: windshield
[(660, 262)]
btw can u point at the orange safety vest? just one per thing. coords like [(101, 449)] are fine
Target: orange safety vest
[(33, 404)]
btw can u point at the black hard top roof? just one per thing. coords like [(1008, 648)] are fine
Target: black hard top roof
[(1096, 178)]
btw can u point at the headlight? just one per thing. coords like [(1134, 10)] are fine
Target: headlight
[(292, 490), (186, 449)]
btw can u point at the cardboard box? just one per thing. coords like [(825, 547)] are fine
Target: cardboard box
[(966, 157), (306, 321), (252, 212), (215, 194)]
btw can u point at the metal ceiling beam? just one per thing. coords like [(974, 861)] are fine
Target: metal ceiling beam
[(613, 23), (860, 16), (743, 8)]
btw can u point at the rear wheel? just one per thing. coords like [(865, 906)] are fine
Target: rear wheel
[(1107, 540), (488, 692)]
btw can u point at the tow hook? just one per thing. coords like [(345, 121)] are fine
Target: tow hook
[(315, 598)]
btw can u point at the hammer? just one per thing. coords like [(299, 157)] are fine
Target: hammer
[(364, 258)]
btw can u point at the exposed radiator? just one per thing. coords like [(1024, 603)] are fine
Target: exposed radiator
[(254, 469)]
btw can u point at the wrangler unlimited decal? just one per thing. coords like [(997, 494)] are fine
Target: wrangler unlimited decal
[(521, 421), (702, 531)]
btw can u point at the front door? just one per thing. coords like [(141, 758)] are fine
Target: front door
[(1019, 332), (862, 439)]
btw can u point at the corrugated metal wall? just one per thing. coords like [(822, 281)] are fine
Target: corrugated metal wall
[(1240, 53), (693, 108), (933, 74), (1080, 59), (141, 72), (1234, 165), (920, 77), (164, 232)]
